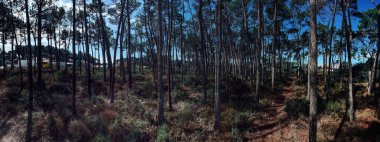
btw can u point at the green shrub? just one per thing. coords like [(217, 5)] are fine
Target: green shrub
[(144, 89), (335, 108), (13, 81), (234, 86), (191, 80), (13, 94), (79, 132), (162, 135), (241, 120), (179, 94), (186, 115), (297, 107), (236, 135), (96, 124), (101, 138), (61, 88)]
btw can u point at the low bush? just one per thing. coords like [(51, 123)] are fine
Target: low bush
[(61, 88), (12, 81), (241, 120), (162, 134), (297, 107), (108, 115), (236, 135), (335, 108), (234, 86), (179, 94), (191, 80), (143, 89), (186, 114), (79, 131)]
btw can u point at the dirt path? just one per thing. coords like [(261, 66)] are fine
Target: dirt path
[(273, 121)]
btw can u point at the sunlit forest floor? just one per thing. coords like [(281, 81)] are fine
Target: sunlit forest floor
[(281, 115)]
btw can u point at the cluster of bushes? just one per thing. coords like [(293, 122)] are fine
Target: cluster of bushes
[(179, 94), (192, 80), (297, 107), (234, 86), (144, 89)]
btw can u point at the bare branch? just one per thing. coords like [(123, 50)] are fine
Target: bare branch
[(373, 2)]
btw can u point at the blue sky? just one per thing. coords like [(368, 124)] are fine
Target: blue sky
[(363, 5)]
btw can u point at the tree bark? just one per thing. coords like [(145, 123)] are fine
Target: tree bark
[(74, 109), (274, 46), (217, 116), (161, 116), (129, 48), (203, 51), (313, 72), (169, 59), (88, 70), (29, 128), (347, 28), (259, 47)]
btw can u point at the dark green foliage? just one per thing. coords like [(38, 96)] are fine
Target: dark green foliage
[(236, 135), (179, 94), (143, 89), (335, 108), (297, 107), (61, 88), (192, 80), (234, 86), (13, 81), (241, 120), (162, 134)]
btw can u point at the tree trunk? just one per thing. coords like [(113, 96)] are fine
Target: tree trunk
[(74, 109), (106, 45), (348, 41), (330, 51), (39, 48), (377, 96), (313, 72), (160, 115), (88, 67), (169, 58), (29, 128), (217, 108), (115, 51), (274, 45), (129, 48), (203, 51), (259, 47)]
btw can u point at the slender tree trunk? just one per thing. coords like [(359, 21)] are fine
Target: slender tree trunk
[(29, 129), (88, 68), (219, 25), (161, 116), (377, 96), (74, 109), (274, 46), (202, 50), (313, 72), (115, 51), (106, 45), (39, 48), (4, 64), (327, 85), (12, 52), (259, 47), (181, 42), (169, 59), (348, 41), (122, 68), (129, 47)]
